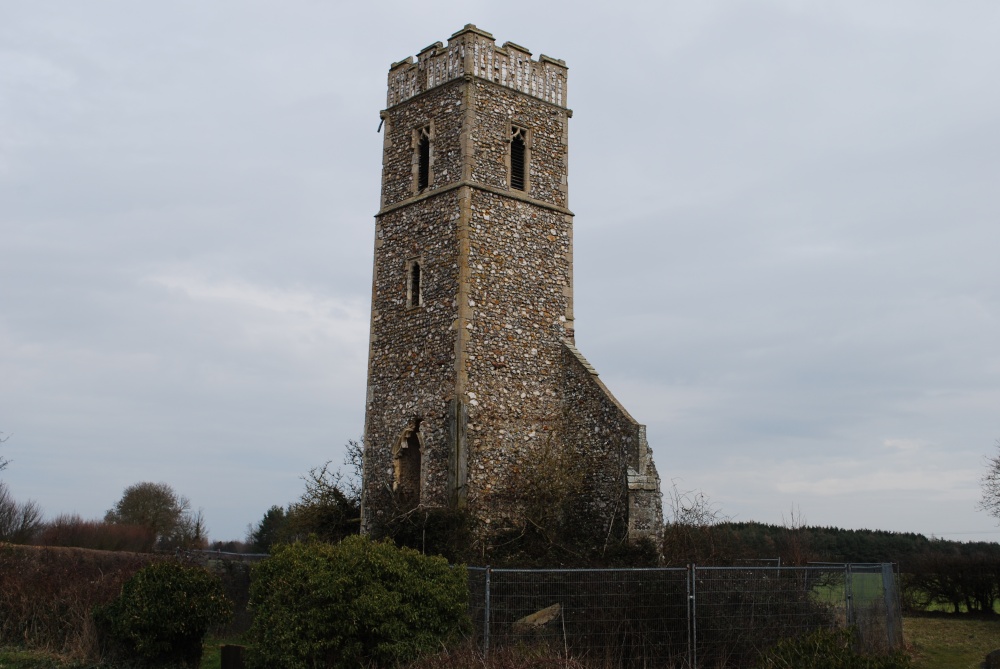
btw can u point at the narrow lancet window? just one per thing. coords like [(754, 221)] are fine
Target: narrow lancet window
[(518, 158), (424, 158), (413, 295)]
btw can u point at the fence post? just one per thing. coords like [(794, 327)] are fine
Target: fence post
[(692, 590), (486, 617), (849, 593), (891, 597)]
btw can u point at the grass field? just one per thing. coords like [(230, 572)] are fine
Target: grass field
[(950, 642)]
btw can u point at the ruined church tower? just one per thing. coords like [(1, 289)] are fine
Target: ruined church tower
[(476, 392)]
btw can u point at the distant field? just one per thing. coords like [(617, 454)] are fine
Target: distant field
[(948, 608), (948, 642)]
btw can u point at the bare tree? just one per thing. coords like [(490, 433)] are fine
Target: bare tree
[(794, 541), (3, 461), (354, 458), (692, 531), (692, 508), (19, 521), (989, 484)]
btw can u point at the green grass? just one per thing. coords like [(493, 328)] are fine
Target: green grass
[(950, 642), (212, 654), (13, 658), (16, 658)]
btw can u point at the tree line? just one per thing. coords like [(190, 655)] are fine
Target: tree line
[(962, 576)]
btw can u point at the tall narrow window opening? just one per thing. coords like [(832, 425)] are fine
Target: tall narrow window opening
[(424, 158), (413, 294), (518, 158)]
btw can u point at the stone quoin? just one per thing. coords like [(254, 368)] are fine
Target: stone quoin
[(474, 382)]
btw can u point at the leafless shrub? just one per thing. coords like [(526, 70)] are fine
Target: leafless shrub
[(695, 531), (19, 521), (47, 595), (73, 531)]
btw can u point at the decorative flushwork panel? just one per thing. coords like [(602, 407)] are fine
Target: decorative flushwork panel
[(474, 52)]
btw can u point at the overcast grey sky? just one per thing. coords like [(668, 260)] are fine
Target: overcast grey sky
[(786, 243)]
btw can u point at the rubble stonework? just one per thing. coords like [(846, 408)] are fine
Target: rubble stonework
[(476, 381)]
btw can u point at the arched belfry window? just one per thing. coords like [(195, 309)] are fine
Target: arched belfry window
[(406, 466), (414, 278), (518, 158)]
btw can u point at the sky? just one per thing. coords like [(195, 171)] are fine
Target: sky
[(785, 244)]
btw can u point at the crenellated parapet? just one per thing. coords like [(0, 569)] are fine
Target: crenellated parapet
[(474, 52)]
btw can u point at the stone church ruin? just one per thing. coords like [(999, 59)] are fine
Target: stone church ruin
[(477, 396)]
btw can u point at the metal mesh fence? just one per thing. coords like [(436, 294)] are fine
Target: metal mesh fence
[(694, 617), (741, 612)]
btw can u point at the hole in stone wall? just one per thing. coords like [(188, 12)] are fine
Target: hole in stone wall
[(407, 467)]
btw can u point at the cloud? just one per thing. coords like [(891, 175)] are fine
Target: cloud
[(784, 243), (865, 478), (903, 444), (296, 319)]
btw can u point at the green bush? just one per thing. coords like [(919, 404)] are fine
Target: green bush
[(827, 649), (351, 604), (161, 616)]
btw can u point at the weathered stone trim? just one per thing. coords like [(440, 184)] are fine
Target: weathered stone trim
[(458, 411), (568, 288), (464, 321), (472, 77), (590, 368), (458, 452), (645, 513), (517, 195)]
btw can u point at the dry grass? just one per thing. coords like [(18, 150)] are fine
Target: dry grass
[(468, 657)]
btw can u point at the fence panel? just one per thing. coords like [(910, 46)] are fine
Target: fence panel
[(623, 617), (741, 612), (698, 617)]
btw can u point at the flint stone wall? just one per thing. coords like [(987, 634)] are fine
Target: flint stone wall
[(412, 350), (486, 364)]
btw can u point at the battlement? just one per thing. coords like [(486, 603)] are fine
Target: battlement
[(474, 52)]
